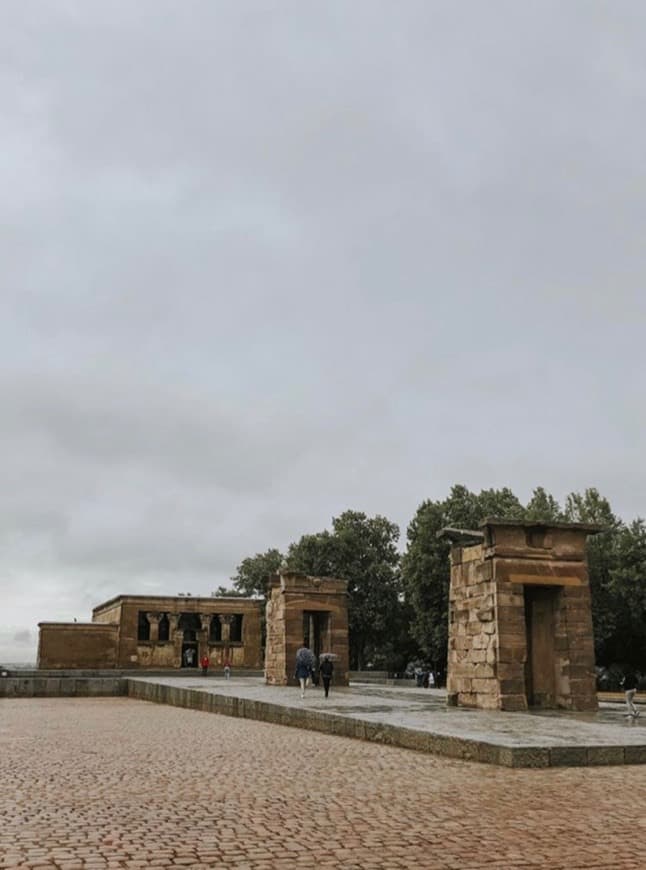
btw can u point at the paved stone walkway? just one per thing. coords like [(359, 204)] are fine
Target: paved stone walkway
[(114, 782)]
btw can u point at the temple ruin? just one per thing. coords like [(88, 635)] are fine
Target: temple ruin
[(136, 631), (311, 610), (520, 619)]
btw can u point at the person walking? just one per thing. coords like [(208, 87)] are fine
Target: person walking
[(204, 662), (227, 669), (326, 669), (629, 685), (305, 664)]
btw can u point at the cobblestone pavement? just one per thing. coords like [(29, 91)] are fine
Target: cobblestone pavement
[(112, 782)]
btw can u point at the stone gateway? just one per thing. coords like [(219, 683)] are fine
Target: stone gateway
[(520, 619), (311, 610)]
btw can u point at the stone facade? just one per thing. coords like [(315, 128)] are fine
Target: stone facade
[(155, 632), (520, 621), (305, 609)]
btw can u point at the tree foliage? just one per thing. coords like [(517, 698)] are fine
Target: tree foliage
[(616, 564), (425, 565), (363, 551), (398, 607), (253, 572)]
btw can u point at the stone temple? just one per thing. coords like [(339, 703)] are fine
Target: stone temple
[(156, 632), (520, 619)]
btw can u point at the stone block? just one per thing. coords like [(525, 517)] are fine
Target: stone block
[(529, 756), (488, 700), (635, 755), (512, 702), (463, 685), (489, 753), (484, 671), (511, 686), (568, 756), (485, 614), (484, 685), (510, 599), (598, 755)]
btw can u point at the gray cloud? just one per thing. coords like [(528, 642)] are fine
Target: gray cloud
[(265, 262)]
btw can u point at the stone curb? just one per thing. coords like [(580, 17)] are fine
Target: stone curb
[(447, 746)]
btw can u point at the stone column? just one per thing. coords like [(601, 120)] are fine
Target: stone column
[(176, 636), (225, 621), (203, 635), (153, 621)]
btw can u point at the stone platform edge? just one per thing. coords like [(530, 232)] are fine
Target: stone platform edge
[(452, 746), (460, 748)]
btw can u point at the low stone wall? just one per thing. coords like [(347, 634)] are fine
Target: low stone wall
[(61, 687), (278, 714)]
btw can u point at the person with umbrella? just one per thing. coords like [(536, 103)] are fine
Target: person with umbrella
[(326, 669), (305, 664)]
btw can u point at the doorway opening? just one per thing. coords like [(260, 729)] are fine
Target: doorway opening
[(189, 654), (540, 666), (316, 630)]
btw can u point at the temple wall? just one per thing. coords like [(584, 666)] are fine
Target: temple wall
[(77, 645)]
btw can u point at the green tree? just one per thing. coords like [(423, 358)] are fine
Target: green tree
[(363, 551), (425, 575), (602, 553), (253, 572), (425, 564), (628, 588), (543, 506), (225, 592)]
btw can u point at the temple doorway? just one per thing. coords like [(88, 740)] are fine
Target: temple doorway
[(316, 626), (189, 655), (540, 667)]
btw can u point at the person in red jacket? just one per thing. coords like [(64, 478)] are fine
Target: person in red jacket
[(204, 661)]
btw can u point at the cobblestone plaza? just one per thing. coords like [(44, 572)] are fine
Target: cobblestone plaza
[(114, 782)]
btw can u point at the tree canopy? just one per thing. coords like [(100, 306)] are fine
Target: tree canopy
[(363, 551), (398, 604)]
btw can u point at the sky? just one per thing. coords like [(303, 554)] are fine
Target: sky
[(262, 262)]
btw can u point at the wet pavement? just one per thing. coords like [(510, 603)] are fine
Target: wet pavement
[(89, 783), (541, 738)]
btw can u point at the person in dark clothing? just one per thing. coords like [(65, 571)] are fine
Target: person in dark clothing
[(326, 669), (629, 685)]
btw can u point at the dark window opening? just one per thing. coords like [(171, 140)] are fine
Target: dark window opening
[(164, 627), (235, 632), (143, 626), (189, 624), (215, 629)]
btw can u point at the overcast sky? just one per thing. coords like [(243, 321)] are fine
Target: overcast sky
[(262, 262)]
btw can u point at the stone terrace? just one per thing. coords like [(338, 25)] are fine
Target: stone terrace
[(418, 719)]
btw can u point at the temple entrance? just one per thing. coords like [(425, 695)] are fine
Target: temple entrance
[(540, 667), (189, 655), (316, 625)]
